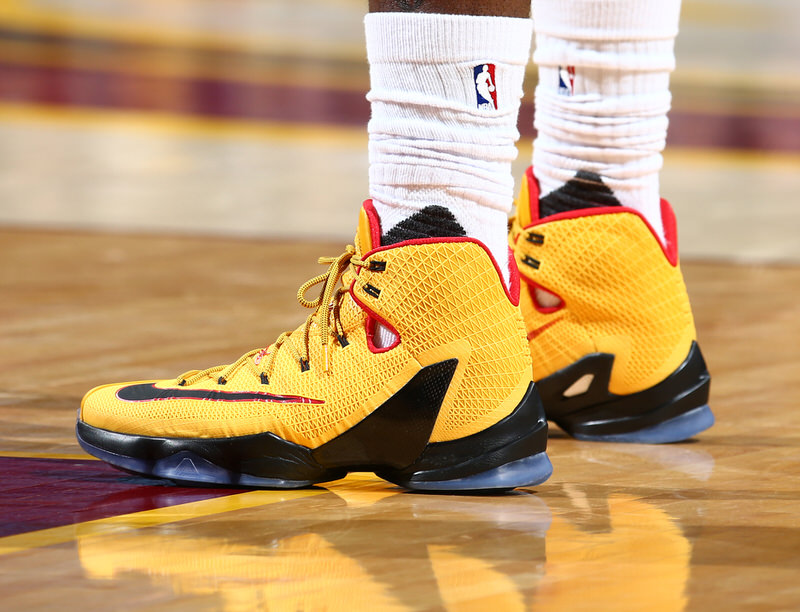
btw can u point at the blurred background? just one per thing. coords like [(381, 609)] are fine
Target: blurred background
[(247, 118)]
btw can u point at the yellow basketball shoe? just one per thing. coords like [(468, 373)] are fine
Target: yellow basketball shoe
[(609, 324), (417, 368)]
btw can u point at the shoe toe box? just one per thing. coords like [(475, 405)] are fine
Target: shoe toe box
[(103, 408)]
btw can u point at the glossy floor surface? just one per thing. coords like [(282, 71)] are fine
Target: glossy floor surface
[(230, 136), (709, 524)]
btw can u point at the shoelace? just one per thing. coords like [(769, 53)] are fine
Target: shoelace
[(330, 298)]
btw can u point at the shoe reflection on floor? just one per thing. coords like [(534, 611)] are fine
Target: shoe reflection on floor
[(366, 545)]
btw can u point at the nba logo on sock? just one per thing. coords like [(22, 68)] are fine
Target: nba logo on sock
[(566, 80), (485, 88)]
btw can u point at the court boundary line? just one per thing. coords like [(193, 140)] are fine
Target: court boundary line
[(148, 518)]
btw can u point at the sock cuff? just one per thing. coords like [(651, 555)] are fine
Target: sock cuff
[(632, 56), (430, 37), (607, 20)]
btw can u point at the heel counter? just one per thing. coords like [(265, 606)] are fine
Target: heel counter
[(622, 291), (662, 337)]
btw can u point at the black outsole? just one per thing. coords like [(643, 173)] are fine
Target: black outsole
[(673, 410)]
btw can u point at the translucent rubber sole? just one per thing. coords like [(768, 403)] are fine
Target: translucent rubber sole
[(676, 429), (188, 467), (525, 472)]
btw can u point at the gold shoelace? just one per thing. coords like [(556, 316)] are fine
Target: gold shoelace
[(330, 299)]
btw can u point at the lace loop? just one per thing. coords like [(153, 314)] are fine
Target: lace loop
[(327, 304)]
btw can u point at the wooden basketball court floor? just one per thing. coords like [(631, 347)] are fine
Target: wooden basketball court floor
[(159, 209)]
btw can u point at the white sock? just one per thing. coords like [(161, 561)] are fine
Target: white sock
[(603, 94), (432, 141)]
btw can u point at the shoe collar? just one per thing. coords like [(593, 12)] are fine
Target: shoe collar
[(528, 215), (368, 242)]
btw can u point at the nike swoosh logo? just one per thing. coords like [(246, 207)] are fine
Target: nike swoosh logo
[(538, 331), (148, 392)]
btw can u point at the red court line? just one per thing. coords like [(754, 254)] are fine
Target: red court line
[(309, 104), (203, 97), (44, 493)]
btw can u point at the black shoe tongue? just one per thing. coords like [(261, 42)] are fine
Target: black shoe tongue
[(585, 190), (430, 222)]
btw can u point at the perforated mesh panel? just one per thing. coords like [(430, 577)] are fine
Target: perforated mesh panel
[(433, 295), (621, 295), (465, 302)]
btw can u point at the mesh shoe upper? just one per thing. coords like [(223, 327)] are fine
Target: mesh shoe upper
[(443, 297), (619, 290)]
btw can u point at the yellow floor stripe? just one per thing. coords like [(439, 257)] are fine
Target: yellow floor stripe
[(717, 13), (138, 28), (149, 518), (318, 135), (329, 135), (778, 161), (34, 455)]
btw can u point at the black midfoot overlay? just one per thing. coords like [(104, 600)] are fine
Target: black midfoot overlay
[(522, 434), (595, 412)]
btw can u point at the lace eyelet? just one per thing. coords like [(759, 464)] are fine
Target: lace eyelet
[(535, 238), (530, 261), (372, 290)]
